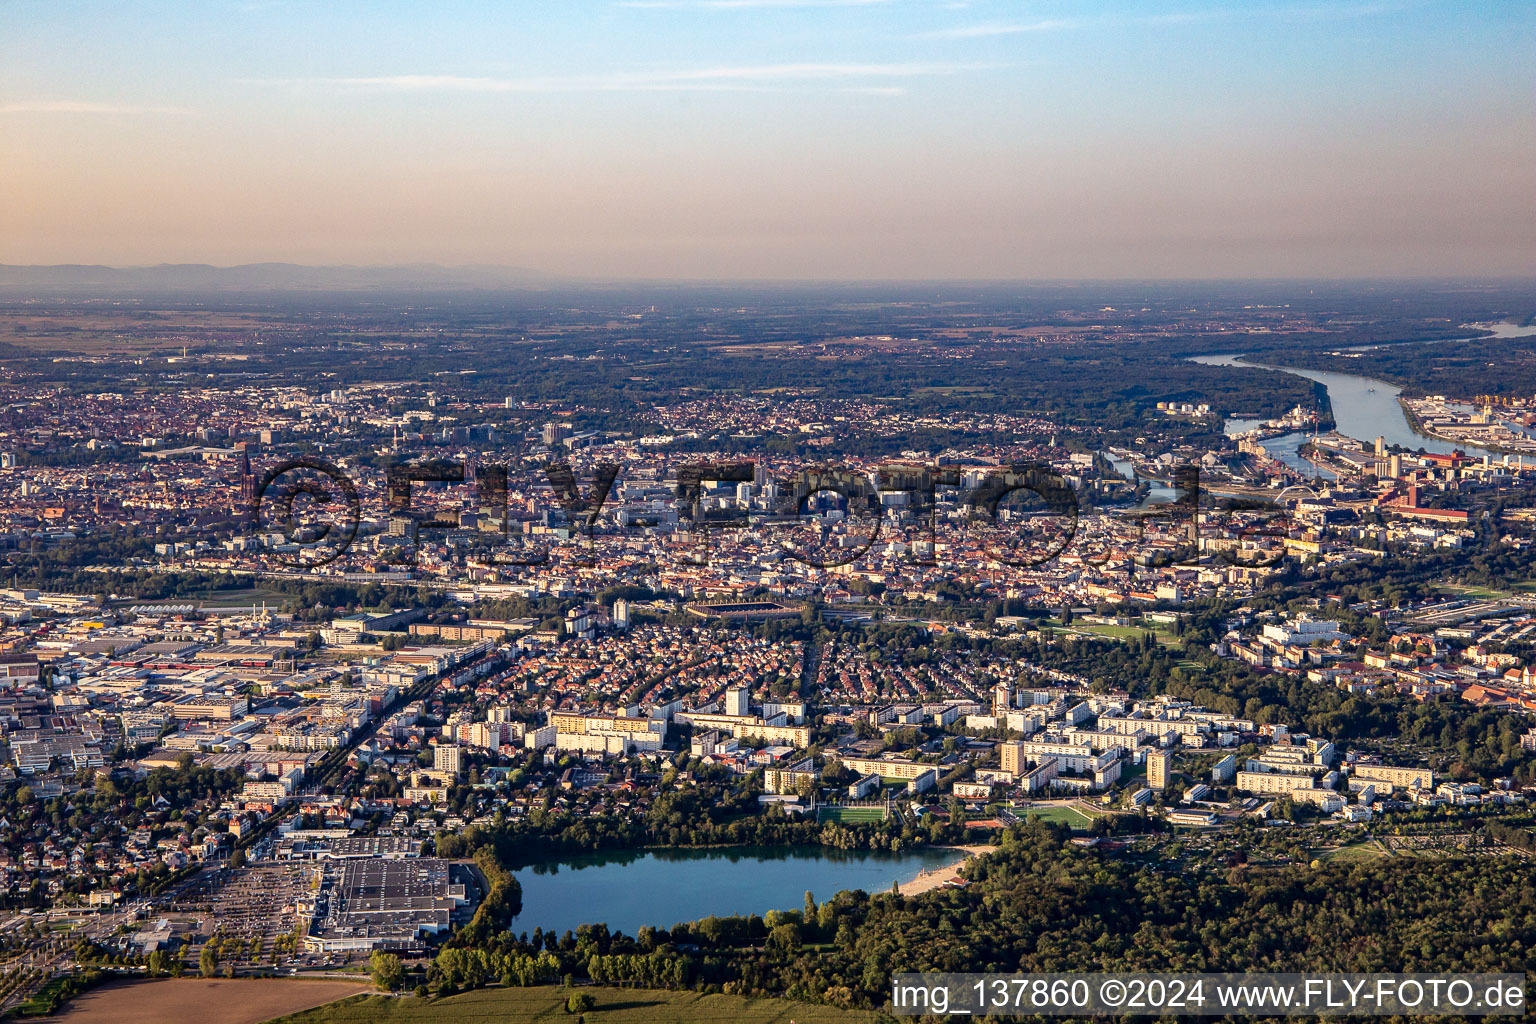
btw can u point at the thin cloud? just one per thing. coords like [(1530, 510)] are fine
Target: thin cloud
[(999, 28), (83, 107), (985, 30), (1340, 12), (745, 77)]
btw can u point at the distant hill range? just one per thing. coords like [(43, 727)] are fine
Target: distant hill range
[(172, 278)]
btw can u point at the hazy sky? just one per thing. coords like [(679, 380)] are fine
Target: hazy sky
[(776, 138)]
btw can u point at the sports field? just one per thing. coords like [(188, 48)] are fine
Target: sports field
[(1057, 814), (850, 814)]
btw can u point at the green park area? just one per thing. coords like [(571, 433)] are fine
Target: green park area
[(1353, 853)]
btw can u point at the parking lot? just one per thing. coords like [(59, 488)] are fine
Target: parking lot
[(249, 911)]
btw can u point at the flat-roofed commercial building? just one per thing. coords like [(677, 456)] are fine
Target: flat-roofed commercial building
[(38, 754), (19, 669), (348, 848), (376, 903), (218, 708)]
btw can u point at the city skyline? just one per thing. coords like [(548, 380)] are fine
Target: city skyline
[(791, 139)]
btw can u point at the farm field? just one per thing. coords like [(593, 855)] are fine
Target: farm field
[(207, 1001), (547, 1003)]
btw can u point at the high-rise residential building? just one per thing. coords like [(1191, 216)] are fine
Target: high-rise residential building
[(1158, 764), (554, 433), (447, 758), (1013, 757), (621, 614), (1225, 770), (736, 702)]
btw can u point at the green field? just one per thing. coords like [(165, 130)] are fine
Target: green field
[(1117, 632), (213, 597), (1480, 593), (547, 1003), (850, 814), (1354, 852), (1058, 815), (243, 596), (1163, 634)]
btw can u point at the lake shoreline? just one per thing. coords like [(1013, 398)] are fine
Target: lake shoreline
[(660, 887), (934, 878), (572, 857)]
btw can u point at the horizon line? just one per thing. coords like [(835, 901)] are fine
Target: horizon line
[(558, 276)]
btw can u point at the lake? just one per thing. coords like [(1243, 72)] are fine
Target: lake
[(632, 888)]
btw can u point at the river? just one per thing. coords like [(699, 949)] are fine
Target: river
[(1363, 408), (632, 888), (1158, 493)]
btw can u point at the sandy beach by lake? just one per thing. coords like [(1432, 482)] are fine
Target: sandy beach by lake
[(935, 877)]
